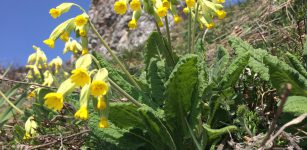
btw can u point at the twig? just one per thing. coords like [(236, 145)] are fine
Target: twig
[(292, 122), (279, 111), (26, 83), (66, 137)]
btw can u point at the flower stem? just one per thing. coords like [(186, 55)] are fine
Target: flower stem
[(194, 29), (10, 103), (168, 34), (114, 56), (189, 30)]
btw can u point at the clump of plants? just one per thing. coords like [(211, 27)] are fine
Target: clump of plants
[(178, 101)]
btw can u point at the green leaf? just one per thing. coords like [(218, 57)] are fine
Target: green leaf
[(156, 78), (160, 135), (256, 61), (220, 63), (200, 49), (296, 64), (296, 105), (125, 115), (121, 138), (155, 47), (281, 73), (179, 89), (234, 70), (216, 133)]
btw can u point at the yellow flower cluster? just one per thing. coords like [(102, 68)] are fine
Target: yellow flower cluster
[(207, 9), (39, 68), (204, 11)]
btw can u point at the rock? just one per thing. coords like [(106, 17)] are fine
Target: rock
[(114, 28)]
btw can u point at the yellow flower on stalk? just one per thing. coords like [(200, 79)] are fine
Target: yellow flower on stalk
[(84, 51), (49, 42), (48, 78), (101, 103), (120, 7), (132, 24), (162, 11), (166, 4), (64, 36), (210, 25), (221, 14), (103, 123), (80, 20), (30, 128), (220, 1), (82, 113), (80, 77), (31, 95), (190, 3), (57, 63), (82, 32), (54, 101), (135, 5), (99, 88), (55, 13), (186, 10), (177, 19)]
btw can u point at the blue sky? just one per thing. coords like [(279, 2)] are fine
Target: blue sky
[(27, 22)]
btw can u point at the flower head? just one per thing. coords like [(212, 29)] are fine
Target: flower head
[(210, 25), (190, 3), (166, 4), (49, 42), (132, 24), (162, 11), (54, 101), (101, 103), (57, 63), (186, 10), (64, 36), (82, 113), (80, 20), (135, 5), (103, 123), (120, 7), (80, 77), (55, 13), (221, 14), (177, 19), (99, 88), (220, 1)]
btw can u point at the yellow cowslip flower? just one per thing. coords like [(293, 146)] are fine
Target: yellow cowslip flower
[(177, 19), (103, 123), (166, 4), (82, 113), (54, 101), (64, 36), (48, 79), (160, 24), (186, 10), (99, 88), (80, 20), (82, 32), (80, 77), (101, 103), (221, 14), (84, 51), (135, 5), (120, 7), (162, 11), (49, 42), (55, 13), (57, 63), (209, 25), (132, 24), (30, 128), (220, 1), (31, 95), (190, 3)]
